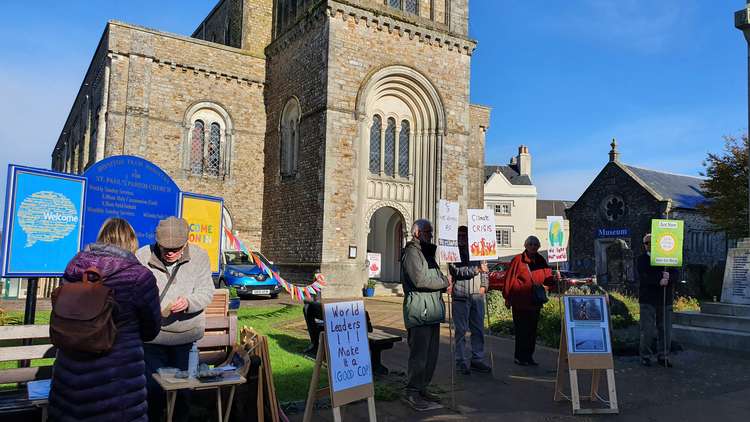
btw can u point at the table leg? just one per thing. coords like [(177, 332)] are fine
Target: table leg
[(229, 403), (171, 398), (218, 403)]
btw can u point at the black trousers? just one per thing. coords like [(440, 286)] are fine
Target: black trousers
[(524, 325), (158, 356), (424, 345)]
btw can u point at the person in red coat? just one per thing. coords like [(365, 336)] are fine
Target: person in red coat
[(526, 269)]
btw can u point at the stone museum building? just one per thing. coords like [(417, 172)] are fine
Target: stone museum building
[(328, 126), (613, 214)]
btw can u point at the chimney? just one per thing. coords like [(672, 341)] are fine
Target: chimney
[(524, 161), (614, 156)]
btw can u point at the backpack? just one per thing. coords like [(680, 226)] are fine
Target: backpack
[(81, 322)]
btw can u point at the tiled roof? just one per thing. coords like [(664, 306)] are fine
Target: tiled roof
[(547, 207), (684, 191), (510, 173)]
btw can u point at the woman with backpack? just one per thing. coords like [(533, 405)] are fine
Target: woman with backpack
[(106, 307)]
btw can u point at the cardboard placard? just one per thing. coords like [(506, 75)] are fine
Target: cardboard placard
[(374, 265), (448, 231), (557, 251), (482, 237), (666, 242)]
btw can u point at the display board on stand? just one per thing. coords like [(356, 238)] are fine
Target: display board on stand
[(345, 350), (585, 344), (204, 216)]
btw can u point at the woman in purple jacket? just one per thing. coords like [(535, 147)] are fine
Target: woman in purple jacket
[(111, 387)]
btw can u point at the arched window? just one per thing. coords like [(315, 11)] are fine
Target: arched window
[(197, 138), (213, 161), (389, 166), (289, 145), (403, 149), (375, 144), (208, 143), (411, 6)]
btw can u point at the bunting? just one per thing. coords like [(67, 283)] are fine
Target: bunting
[(297, 292)]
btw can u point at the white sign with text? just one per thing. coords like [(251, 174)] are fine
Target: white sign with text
[(482, 237), (448, 231), (348, 349), (557, 251)]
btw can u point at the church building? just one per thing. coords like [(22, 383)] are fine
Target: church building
[(328, 126)]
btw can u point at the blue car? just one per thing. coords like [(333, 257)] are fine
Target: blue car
[(239, 271)]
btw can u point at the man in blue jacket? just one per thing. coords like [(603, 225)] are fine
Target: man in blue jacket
[(424, 310), (469, 287)]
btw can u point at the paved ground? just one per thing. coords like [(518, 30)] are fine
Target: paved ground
[(703, 386)]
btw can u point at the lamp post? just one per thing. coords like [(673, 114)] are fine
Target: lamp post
[(742, 22)]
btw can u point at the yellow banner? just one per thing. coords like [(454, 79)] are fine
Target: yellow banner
[(204, 217)]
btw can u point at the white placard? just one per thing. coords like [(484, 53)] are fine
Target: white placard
[(448, 231), (587, 322), (373, 265), (482, 237), (557, 252), (348, 349)]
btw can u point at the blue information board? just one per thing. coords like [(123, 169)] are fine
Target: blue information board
[(130, 188), (43, 222)]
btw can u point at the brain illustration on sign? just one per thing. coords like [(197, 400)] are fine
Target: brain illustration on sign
[(46, 217), (556, 236)]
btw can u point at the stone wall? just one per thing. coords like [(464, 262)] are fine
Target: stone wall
[(223, 24), (480, 123)]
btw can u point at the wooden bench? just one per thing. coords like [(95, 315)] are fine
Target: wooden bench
[(19, 343)]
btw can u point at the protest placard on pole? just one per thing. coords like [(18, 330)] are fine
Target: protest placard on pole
[(557, 252), (448, 231), (666, 242), (482, 237)]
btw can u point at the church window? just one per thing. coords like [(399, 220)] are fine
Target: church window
[(395, 4), (196, 148), (614, 208), (375, 144), (403, 149), (411, 6), (213, 161), (389, 149), (289, 147)]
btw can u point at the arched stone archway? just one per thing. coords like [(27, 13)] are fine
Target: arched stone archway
[(386, 236)]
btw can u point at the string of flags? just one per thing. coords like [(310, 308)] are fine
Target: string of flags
[(297, 292)]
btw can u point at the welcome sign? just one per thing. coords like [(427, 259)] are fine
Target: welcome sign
[(203, 214), (42, 229)]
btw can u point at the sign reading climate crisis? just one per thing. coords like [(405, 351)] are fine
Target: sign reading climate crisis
[(347, 346), (203, 214), (43, 222), (131, 188), (482, 237)]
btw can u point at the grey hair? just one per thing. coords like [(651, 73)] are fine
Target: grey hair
[(530, 240), (420, 225)]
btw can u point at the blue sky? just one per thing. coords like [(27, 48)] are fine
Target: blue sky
[(667, 78)]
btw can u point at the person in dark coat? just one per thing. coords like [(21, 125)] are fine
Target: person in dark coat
[(526, 269), (111, 387)]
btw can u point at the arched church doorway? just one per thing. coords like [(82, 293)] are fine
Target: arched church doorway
[(386, 237)]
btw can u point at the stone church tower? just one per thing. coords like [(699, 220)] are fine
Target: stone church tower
[(328, 126)]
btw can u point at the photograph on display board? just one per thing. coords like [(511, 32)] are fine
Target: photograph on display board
[(586, 309), (588, 339)]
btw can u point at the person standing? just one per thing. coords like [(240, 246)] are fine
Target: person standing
[(183, 274), (469, 287), (526, 270), (655, 296), (110, 387), (424, 310)]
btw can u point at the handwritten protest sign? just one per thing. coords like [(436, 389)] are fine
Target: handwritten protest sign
[(349, 367), (556, 233), (666, 242), (482, 238), (448, 231)]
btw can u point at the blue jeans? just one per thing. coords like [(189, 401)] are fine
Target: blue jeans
[(468, 315)]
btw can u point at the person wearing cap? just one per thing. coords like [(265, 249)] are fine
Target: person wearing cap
[(183, 276)]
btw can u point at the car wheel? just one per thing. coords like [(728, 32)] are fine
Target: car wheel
[(274, 295)]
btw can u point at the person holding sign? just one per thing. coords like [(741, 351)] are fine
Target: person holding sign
[(469, 286), (524, 291), (424, 310), (655, 297)]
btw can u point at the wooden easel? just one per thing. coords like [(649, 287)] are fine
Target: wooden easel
[(339, 399), (572, 363), (253, 343)]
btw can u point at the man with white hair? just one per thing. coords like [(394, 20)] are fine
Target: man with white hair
[(424, 310)]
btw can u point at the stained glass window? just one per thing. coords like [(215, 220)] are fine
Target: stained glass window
[(389, 148), (213, 159), (196, 148), (375, 145), (403, 149)]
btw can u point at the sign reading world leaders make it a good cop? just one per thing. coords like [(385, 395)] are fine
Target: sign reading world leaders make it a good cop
[(131, 188), (43, 220)]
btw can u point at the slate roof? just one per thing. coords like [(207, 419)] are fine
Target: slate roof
[(684, 191), (510, 173), (547, 207)]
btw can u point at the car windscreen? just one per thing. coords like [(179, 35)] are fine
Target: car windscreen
[(238, 258)]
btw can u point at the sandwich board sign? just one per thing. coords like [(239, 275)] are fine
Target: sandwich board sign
[(203, 214), (345, 348), (43, 222), (586, 344)]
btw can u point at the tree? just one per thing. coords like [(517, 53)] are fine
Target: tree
[(726, 188)]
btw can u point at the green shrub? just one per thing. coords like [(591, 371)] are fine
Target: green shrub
[(684, 303)]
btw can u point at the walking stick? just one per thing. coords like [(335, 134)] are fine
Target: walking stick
[(664, 322), (453, 353)]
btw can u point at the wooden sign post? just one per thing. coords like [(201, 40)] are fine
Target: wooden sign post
[(585, 344), (343, 347)]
